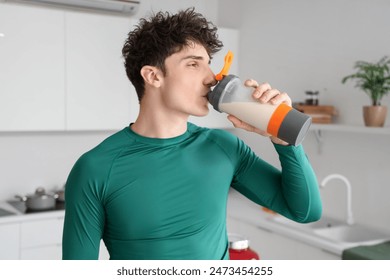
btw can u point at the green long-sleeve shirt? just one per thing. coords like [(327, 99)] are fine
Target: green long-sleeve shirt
[(150, 198)]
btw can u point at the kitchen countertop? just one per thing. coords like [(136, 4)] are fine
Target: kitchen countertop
[(19, 215)]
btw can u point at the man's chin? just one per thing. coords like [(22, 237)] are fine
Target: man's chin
[(202, 113)]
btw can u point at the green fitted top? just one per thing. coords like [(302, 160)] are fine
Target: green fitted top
[(151, 198)]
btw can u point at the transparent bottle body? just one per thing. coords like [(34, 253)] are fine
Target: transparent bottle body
[(231, 96), (237, 100)]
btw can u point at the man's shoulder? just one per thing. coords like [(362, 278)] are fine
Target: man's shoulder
[(217, 135), (105, 152)]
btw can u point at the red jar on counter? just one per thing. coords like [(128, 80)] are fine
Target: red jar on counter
[(239, 248)]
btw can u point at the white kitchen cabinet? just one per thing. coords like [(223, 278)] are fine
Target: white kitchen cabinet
[(272, 246), (103, 252), (48, 252), (230, 39), (41, 239), (9, 241), (99, 94), (35, 237), (31, 68)]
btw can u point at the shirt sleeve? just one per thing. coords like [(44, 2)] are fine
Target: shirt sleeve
[(84, 213), (292, 191)]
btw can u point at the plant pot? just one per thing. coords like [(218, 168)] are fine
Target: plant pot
[(374, 115)]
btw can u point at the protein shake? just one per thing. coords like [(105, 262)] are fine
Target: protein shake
[(282, 121)]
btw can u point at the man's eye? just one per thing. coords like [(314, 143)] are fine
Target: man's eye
[(193, 64)]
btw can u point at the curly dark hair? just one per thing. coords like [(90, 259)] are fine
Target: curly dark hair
[(164, 34)]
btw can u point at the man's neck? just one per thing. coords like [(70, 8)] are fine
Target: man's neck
[(157, 123)]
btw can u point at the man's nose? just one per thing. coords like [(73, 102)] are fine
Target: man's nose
[(210, 80)]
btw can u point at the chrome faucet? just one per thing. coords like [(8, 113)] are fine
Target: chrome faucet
[(350, 220)]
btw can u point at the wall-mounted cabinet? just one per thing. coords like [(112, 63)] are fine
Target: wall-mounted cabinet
[(63, 70), (99, 94), (32, 84)]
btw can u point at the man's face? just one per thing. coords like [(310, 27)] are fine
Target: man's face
[(187, 81)]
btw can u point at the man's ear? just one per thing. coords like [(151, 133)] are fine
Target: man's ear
[(151, 75)]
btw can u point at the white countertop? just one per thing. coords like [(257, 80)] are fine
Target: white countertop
[(22, 217)]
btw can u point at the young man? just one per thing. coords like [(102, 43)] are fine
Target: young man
[(158, 189)]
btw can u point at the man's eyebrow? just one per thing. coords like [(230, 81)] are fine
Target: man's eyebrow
[(196, 57)]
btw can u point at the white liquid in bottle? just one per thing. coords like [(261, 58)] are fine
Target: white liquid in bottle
[(254, 113)]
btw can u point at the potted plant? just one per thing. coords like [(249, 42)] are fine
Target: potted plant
[(374, 80)]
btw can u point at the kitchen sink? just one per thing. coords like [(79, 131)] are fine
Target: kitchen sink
[(352, 234), (335, 231), (324, 222)]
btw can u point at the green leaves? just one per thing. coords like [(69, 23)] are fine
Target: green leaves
[(372, 78)]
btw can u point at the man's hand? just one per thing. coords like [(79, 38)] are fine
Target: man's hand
[(264, 93)]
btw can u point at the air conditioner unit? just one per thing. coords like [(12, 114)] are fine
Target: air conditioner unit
[(115, 6)]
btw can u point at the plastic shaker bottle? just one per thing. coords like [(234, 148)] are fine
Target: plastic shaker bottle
[(282, 121)]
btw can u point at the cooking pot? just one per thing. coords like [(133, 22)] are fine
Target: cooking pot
[(40, 200), (60, 195)]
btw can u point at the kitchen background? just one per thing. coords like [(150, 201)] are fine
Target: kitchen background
[(294, 45)]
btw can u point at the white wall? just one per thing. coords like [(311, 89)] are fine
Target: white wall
[(311, 45), (32, 159)]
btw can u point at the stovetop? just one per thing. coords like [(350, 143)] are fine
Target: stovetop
[(21, 207), (4, 212)]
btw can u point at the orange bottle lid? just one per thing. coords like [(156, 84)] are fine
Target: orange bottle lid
[(226, 67)]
